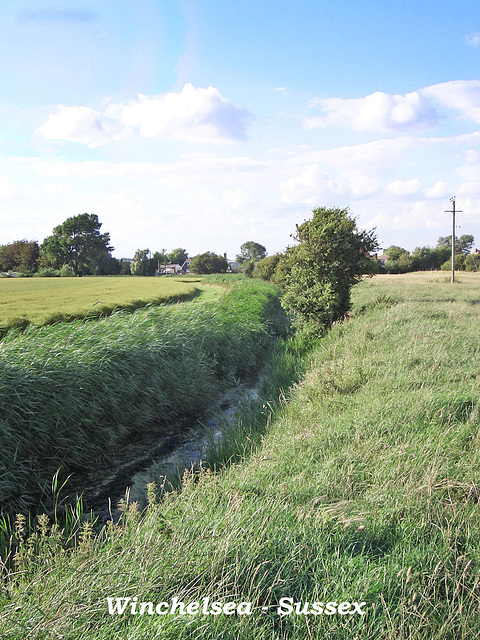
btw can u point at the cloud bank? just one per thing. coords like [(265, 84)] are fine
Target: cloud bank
[(418, 110), (194, 115)]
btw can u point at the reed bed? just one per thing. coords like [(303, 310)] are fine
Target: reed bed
[(70, 393)]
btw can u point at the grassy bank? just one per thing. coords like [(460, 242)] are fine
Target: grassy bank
[(43, 301), (365, 489), (70, 393)]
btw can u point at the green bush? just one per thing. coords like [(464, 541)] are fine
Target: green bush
[(67, 272), (332, 255), (47, 272)]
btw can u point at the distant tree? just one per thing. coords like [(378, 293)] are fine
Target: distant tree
[(125, 268), (460, 265), (266, 267), (428, 259), (21, 255), (208, 262), (466, 242), (463, 244), (251, 251), (331, 256), (140, 263), (395, 252), (159, 260), (472, 262), (76, 242), (104, 264), (177, 256)]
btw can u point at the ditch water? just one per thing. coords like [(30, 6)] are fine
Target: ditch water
[(162, 458)]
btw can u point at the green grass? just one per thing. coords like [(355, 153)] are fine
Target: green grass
[(43, 301), (365, 488), (71, 392)]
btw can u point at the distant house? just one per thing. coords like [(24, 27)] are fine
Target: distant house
[(382, 258), (171, 269), (233, 265), (185, 268)]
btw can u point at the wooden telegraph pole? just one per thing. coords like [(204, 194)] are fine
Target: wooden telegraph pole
[(452, 200)]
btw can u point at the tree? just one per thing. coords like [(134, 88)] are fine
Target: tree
[(20, 255), (76, 242), (208, 262), (266, 267), (251, 251), (472, 262), (463, 244), (141, 263), (332, 255), (177, 256), (395, 252), (459, 263), (105, 264)]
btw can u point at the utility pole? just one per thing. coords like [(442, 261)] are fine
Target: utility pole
[(452, 200)]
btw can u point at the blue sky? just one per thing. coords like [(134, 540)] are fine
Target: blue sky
[(204, 124)]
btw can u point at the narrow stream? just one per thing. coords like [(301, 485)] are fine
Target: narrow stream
[(163, 458)]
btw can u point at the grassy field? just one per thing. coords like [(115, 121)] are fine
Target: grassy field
[(44, 301), (365, 489), (70, 392)]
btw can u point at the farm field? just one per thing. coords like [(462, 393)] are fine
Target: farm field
[(363, 490), (47, 300)]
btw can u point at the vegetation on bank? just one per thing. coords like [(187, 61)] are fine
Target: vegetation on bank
[(364, 489), (44, 301), (71, 392)]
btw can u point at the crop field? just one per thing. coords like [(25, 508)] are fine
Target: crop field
[(364, 489), (48, 300)]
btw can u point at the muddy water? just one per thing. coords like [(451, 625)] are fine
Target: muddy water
[(163, 458)]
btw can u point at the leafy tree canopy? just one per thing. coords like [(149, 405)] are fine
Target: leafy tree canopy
[(77, 242), (141, 264), (331, 256), (463, 244), (208, 262), (395, 252), (177, 256), (20, 255), (251, 251)]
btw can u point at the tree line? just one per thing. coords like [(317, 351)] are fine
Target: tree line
[(400, 260), (78, 248), (316, 274)]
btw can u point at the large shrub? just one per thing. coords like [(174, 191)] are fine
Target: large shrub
[(208, 262), (331, 256)]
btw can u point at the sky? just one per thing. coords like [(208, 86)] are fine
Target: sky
[(204, 124)]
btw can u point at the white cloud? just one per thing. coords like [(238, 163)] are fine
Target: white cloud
[(441, 189), (473, 40), (459, 95), (378, 111), (394, 112), (193, 115), (55, 189), (6, 189), (404, 187), (469, 189), (235, 198), (80, 124), (309, 185)]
